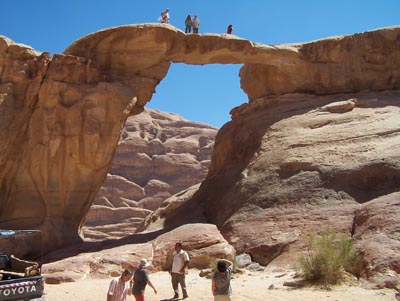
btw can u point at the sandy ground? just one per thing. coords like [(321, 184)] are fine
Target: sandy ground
[(252, 286)]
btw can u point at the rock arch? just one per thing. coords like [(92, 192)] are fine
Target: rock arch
[(62, 115)]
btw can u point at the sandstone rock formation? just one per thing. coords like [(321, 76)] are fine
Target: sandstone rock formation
[(202, 241), (315, 161), (174, 210), (59, 134), (158, 155), (318, 138), (377, 234)]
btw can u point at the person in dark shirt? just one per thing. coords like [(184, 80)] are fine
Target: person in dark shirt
[(140, 280), (221, 281), (188, 24)]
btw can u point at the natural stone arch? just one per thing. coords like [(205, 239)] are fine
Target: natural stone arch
[(73, 106)]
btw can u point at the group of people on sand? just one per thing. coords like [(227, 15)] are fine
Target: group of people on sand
[(190, 24), (134, 283)]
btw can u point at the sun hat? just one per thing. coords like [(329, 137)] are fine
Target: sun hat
[(144, 263)]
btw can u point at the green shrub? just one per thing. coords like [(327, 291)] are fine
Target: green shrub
[(355, 264), (327, 257)]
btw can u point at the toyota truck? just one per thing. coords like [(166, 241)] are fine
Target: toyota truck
[(20, 280)]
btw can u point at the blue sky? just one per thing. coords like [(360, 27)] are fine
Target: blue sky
[(199, 93)]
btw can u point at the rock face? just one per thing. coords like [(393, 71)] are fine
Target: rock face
[(377, 234), (56, 141), (158, 155), (314, 162), (307, 152), (318, 140)]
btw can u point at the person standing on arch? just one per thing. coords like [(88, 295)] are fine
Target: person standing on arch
[(230, 29), (164, 18), (188, 24), (196, 24), (180, 263)]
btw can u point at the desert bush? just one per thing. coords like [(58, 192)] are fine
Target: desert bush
[(355, 264), (327, 257)]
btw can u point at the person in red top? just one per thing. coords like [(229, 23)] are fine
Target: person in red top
[(230, 29), (119, 287)]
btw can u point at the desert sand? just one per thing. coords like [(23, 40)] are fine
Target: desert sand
[(251, 286)]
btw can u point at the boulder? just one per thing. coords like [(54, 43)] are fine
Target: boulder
[(111, 261), (203, 242)]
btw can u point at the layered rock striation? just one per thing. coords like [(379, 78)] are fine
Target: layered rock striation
[(323, 160), (158, 155)]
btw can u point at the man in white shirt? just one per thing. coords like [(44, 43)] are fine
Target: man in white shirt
[(120, 287), (179, 264)]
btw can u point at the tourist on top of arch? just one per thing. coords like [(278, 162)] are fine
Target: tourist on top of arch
[(164, 17), (230, 29), (188, 24), (196, 24)]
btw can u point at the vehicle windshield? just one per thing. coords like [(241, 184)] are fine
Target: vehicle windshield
[(17, 232)]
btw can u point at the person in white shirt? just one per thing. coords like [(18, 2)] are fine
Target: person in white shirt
[(196, 24), (164, 17), (180, 263), (120, 287)]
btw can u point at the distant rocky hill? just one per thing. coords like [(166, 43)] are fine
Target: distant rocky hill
[(158, 155)]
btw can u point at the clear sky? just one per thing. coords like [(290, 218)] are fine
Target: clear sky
[(199, 93)]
